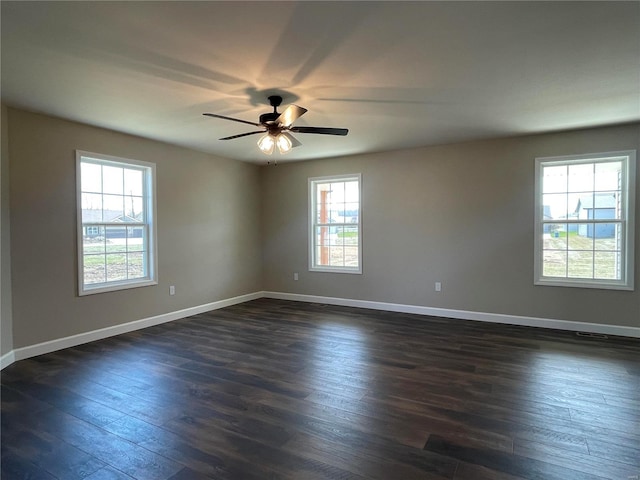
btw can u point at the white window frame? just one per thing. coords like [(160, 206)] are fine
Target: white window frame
[(149, 223), (627, 222), (313, 182)]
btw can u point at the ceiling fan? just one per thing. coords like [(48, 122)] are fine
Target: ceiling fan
[(276, 127)]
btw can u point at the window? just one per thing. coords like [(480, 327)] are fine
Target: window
[(335, 231), (116, 223), (585, 220)]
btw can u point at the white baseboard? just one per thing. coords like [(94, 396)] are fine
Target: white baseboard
[(7, 359), (66, 342), (465, 314)]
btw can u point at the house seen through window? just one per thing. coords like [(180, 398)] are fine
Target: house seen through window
[(585, 220), (115, 222)]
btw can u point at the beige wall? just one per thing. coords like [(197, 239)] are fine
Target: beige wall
[(208, 229), (6, 322), (458, 214)]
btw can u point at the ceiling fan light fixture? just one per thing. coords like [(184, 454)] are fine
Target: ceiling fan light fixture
[(284, 143), (266, 144)]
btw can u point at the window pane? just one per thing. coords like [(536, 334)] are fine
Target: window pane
[(554, 206), (580, 264), (322, 235), (116, 238), (337, 192), (133, 182), (574, 205), (606, 236), (350, 235), (322, 255), (91, 208), (94, 269), (336, 256), (351, 256), (336, 237), (351, 212), (554, 263), (582, 239), (136, 239), (322, 245), (554, 179), (608, 176), (323, 206), (91, 177), (135, 265), (581, 178), (607, 206), (351, 192), (113, 207), (134, 209), (607, 265), (584, 206), (116, 266), (112, 179), (322, 191), (555, 236), (93, 243), (334, 213)]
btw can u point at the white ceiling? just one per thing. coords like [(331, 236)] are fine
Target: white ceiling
[(396, 74)]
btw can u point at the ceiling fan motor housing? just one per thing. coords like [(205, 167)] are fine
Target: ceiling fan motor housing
[(275, 101), (269, 117)]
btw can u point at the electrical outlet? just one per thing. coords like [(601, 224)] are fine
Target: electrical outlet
[(295, 276), (172, 290), (438, 287)]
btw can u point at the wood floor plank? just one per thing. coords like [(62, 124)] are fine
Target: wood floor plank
[(53, 455), (511, 464), (200, 458), (472, 471), (69, 402), (611, 469), (108, 473), (612, 451), (112, 450), (15, 467), (367, 462), (281, 390)]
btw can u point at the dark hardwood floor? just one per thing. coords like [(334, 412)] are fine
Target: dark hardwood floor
[(284, 390)]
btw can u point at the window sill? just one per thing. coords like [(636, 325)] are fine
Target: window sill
[(576, 283), (117, 286), (355, 271)]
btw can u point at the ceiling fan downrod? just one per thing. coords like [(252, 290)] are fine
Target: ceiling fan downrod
[(275, 101)]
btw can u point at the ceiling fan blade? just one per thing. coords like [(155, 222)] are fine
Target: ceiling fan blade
[(321, 130), (241, 135), (231, 118), (294, 141), (290, 115)]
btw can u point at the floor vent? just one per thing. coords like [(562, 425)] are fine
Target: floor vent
[(592, 335)]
